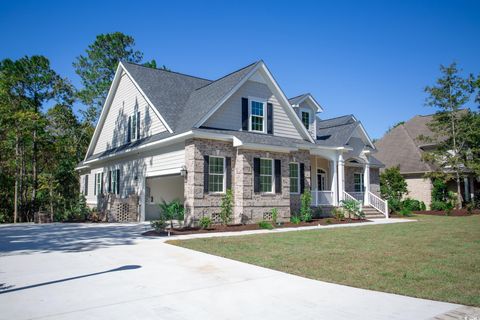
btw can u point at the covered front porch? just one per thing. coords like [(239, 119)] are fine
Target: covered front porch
[(334, 179)]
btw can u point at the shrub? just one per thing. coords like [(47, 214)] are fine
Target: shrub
[(305, 207), (338, 213), (265, 225), (78, 211), (328, 221), (274, 216), (405, 212), (392, 184), (205, 222), (412, 204), (353, 208), (295, 220), (227, 207), (173, 210), (158, 225)]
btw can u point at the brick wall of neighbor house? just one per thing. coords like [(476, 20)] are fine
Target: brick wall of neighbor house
[(249, 207), (419, 188)]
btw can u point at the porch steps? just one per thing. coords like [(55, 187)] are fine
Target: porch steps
[(372, 213)]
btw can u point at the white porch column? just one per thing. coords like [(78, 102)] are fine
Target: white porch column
[(366, 182), (333, 187), (341, 177)]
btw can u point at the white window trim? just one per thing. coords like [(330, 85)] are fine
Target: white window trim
[(224, 187), (298, 177), (362, 181), (114, 181), (133, 124), (302, 110), (265, 116), (272, 191)]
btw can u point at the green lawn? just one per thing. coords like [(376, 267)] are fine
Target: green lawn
[(435, 258)]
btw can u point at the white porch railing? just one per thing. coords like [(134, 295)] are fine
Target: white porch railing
[(352, 196), (322, 198), (378, 203), (359, 196)]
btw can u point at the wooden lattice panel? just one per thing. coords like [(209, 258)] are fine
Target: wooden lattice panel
[(216, 218), (267, 216)]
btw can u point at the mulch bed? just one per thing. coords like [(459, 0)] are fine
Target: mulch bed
[(244, 227), (453, 213)]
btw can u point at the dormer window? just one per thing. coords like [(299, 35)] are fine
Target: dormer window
[(257, 116), (306, 119)]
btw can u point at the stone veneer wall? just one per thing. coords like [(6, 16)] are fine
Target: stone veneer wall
[(249, 207)]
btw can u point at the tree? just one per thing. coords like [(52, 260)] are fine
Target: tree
[(97, 68), (450, 95), (393, 185)]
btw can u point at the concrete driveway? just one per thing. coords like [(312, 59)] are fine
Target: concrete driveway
[(107, 271)]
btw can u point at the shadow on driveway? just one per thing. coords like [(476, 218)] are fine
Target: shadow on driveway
[(67, 237)]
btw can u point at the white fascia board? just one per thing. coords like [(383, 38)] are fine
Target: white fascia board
[(145, 147), (286, 105), (103, 114), (312, 100), (228, 95), (366, 135), (155, 110), (263, 147), (159, 173)]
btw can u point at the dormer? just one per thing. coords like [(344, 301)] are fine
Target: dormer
[(306, 108)]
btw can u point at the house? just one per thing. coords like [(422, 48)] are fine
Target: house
[(164, 135), (402, 146)]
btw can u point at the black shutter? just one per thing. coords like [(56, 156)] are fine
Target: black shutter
[(269, 118), (129, 130), (302, 177), (85, 187), (278, 176), (118, 182), (206, 160), (109, 181), (138, 125), (244, 114), (256, 175), (228, 169), (101, 185)]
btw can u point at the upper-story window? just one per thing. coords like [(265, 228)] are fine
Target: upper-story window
[(257, 116), (306, 119), (134, 126)]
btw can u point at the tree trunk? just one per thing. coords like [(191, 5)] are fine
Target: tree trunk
[(15, 200), (34, 172)]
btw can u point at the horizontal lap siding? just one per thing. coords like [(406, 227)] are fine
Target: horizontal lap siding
[(229, 115), (115, 127)]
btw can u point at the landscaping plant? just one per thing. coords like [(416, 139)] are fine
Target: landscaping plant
[(305, 207), (205, 222), (265, 225), (274, 216), (353, 208), (227, 207), (158, 225), (393, 186), (295, 219), (173, 210), (338, 213)]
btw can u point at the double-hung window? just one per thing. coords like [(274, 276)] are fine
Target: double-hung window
[(358, 182), (294, 177), (216, 174), (114, 181), (98, 183), (134, 129), (266, 175), (257, 116), (306, 119)]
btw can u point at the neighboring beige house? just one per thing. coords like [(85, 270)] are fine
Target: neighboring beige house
[(164, 135), (402, 147)]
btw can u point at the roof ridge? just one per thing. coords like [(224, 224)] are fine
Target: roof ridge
[(227, 75), (303, 94), (346, 115), (168, 71)]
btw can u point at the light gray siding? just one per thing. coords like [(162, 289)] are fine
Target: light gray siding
[(229, 115), (126, 100)]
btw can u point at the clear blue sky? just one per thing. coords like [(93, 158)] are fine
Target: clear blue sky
[(370, 58)]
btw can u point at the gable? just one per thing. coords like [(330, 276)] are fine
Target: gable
[(306, 105), (229, 115), (113, 130)]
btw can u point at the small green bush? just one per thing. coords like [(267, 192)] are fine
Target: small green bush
[(227, 207), (265, 225), (205, 222), (158, 225), (295, 220), (328, 221), (338, 213), (394, 205), (353, 208), (405, 212), (412, 204), (305, 207), (274, 216)]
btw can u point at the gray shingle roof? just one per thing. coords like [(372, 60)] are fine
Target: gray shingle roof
[(400, 146), (335, 131), (296, 99), (181, 99)]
